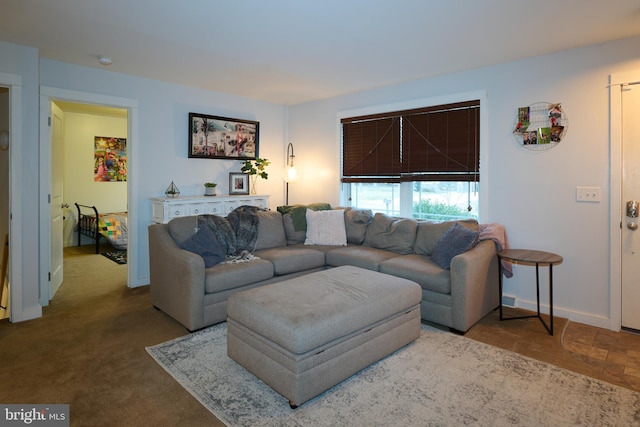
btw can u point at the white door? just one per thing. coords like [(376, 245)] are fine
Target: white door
[(55, 190), (631, 192)]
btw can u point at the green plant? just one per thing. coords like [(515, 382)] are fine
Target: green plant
[(256, 167), (210, 184), (437, 210)]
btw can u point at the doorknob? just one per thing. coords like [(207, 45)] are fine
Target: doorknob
[(632, 226)]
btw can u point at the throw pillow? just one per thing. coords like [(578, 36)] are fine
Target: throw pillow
[(456, 240), (205, 243), (391, 233), (326, 228)]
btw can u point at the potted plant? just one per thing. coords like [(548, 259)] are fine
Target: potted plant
[(255, 168), (210, 188)]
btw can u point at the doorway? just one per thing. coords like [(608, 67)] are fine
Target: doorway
[(48, 95), (80, 135), (4, 199)]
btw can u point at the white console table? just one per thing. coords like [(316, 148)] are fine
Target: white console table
[(164, 209)]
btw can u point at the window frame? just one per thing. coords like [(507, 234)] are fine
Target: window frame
[(480, 95)]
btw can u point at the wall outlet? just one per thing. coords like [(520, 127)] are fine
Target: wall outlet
[(588, 194)]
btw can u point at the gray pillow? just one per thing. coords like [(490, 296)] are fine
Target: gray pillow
[(205, 243), (356, 222), (391, 234), (456, 240)]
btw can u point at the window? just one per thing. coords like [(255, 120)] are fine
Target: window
[(422, 163)]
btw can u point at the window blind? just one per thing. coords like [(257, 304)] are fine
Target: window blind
[(439, 143)]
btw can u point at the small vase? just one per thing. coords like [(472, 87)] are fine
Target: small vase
[(253, 187), (209, 191)]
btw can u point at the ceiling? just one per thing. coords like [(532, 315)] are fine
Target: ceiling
[(294, 51)]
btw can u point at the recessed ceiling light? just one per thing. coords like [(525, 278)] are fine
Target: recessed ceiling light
[(105, 60)]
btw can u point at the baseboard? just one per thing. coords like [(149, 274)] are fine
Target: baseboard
[(575, 316)]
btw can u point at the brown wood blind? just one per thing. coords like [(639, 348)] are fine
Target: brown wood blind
[(371, 150), (439, 143)]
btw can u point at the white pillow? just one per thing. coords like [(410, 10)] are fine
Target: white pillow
[(326, 227)]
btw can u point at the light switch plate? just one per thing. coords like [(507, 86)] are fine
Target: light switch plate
[(588, 194)]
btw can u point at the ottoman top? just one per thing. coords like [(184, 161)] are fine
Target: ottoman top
[(309, 311)]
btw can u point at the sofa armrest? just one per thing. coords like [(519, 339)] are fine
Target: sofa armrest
[(474, 285), (177, 279)]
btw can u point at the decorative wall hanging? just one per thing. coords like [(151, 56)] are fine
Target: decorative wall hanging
[(110, 159), (540, 126), (213, 137)]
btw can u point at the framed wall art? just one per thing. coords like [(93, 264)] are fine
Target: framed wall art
[(213, 137), (238, 183), (110, 159)]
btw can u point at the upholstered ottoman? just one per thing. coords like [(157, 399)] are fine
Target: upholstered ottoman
[(304, 335)]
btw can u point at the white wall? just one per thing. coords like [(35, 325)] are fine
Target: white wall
[(79, 185), (531, 193)]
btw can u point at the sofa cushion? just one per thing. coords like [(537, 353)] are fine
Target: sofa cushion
[(293, 236), (270, 230), (421, 269), (392, 234), (356, 222), (454, 241), (358, 256), (225, 276), (430, 232), (205, 244), (298, 213), (292, 259), (325, 227)]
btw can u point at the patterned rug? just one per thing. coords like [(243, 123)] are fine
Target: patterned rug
[(117, 256), (441, 379)]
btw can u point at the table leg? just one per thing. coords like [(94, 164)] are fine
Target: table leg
[(551, 297), (538, 288), (500, 285)]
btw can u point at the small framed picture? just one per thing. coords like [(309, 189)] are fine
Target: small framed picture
[(238, 183)]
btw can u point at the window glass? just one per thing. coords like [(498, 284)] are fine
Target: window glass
[(430, 200)]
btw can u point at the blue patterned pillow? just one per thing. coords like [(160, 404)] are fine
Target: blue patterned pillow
[(205, 244), (454, 241)]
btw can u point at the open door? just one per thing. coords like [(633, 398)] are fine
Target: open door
[(55, 190)]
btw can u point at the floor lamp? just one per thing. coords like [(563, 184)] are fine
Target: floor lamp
[(290, 172)]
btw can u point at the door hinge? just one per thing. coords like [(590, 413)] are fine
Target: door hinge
[(49, 121), (49, 276), (49, 198)]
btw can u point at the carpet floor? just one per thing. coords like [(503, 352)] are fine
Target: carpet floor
[(440, 379)]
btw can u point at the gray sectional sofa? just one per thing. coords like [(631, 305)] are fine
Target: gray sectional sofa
[(456, 296)]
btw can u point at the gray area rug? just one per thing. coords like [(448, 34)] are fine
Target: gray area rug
[(441, 379)]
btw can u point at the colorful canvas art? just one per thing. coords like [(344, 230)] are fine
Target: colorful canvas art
[(110, 159)]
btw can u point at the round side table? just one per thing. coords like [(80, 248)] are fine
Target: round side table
[(531, 257)]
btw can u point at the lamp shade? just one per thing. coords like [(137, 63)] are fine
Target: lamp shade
[(290, 174)]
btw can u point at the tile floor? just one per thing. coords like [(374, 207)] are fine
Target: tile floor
[(600, 353)]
